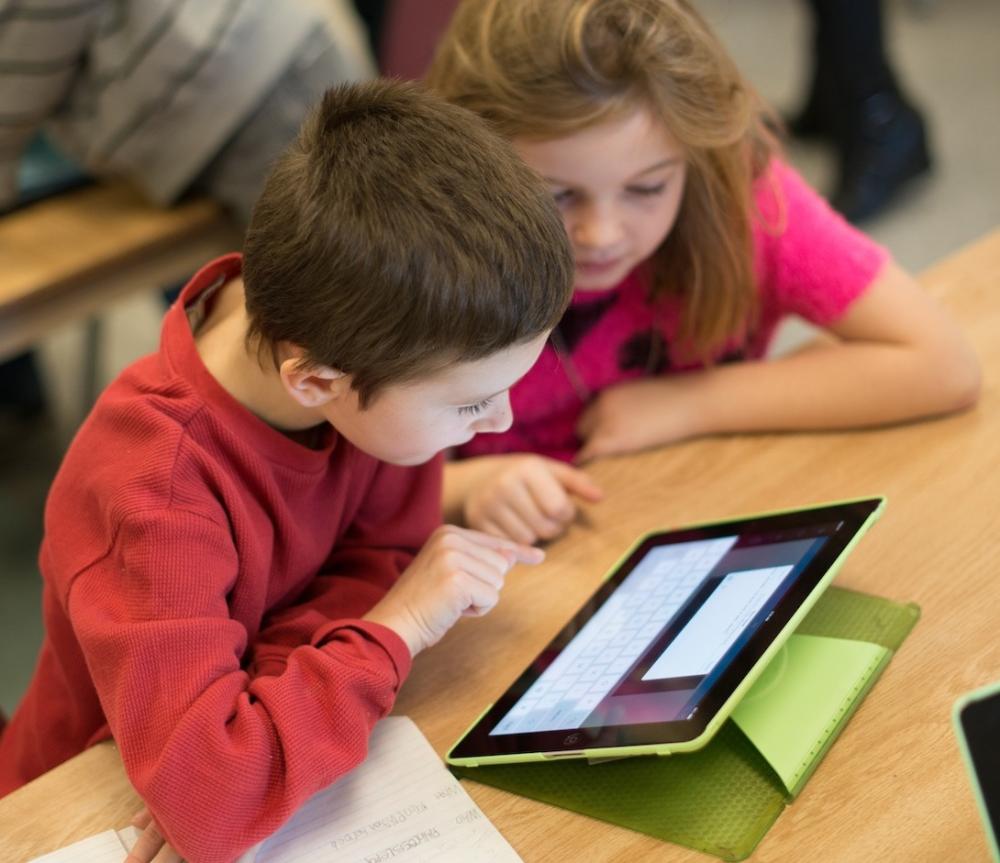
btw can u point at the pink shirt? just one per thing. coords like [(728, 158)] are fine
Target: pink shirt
[(814, 264)]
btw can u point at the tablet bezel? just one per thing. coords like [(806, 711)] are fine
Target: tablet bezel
[(477, 746)]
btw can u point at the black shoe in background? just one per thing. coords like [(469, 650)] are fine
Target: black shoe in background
[(884, 147)]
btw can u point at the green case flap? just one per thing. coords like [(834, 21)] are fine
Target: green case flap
[(842, 613), (805, 696), (721, 799)]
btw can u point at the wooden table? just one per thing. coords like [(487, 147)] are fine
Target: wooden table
[(68, 258), (892, 788)]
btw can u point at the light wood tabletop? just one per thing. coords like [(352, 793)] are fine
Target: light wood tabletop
[(69, 257), (892, 788)]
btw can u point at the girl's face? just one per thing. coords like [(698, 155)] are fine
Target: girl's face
[(619, 185)]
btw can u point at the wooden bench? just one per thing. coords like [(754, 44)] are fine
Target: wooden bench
[(67, 258)]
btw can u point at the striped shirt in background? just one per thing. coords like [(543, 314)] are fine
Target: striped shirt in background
[(150, 90)]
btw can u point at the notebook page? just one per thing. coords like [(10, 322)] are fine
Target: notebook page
[(105, 847), (129, 836), (401, 804)]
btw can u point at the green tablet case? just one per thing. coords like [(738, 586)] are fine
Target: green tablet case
[(723, 798)]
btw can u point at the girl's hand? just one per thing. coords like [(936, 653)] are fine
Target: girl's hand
[(150, 847), (638, 415), (528, 498)]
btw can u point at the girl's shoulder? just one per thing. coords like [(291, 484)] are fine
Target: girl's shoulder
[(788, 212), (781, 192), (805, 250)]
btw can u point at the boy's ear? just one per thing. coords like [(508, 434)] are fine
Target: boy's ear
[(311, 385)]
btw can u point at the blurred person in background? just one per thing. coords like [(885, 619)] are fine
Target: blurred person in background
[(174, 97), (855, 101)]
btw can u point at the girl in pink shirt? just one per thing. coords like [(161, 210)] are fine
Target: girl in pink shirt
[(692, 240)]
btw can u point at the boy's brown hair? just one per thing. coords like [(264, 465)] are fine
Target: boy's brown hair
[(398, 235)]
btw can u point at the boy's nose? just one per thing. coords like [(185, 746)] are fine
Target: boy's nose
[(500, 416)]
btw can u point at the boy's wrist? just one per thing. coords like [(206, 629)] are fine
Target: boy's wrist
[(401, 624)]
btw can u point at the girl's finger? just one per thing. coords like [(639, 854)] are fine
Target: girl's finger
[(596, 447), (577, 481), (513, 526), (542, 504)]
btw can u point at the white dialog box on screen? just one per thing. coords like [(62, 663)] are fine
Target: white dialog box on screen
[(718, 623)]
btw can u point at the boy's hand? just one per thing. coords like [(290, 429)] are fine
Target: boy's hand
[(528, 498), (150, 847), (457, 572)]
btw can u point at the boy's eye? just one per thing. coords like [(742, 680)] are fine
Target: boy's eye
[(472, 410), (647, 191)]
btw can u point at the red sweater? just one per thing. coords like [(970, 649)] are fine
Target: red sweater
[(204, 575)]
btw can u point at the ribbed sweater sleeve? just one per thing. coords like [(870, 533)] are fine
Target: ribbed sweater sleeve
[(221, 758), (400, 508)]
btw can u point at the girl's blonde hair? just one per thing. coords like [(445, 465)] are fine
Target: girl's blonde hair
[(544, 69)]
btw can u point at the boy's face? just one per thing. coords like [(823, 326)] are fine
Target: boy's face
[(619, 186), (409, 423)]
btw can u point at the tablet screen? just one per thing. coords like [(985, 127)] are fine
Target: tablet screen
[(667, 638), (980, 720)]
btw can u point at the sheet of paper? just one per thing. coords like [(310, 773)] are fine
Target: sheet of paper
[(105, 847), (401, 804), (108, 847)]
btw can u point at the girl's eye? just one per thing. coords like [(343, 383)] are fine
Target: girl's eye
[(563, 197), (472, 410), (647, 191)]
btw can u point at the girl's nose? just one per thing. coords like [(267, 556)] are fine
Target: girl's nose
[(596, 228)]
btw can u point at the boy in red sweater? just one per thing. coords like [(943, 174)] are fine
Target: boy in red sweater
[(240, 556)]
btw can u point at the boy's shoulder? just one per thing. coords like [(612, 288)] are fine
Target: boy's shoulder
[(164, 407), (157, 423), (131, 462), (147, 421)]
